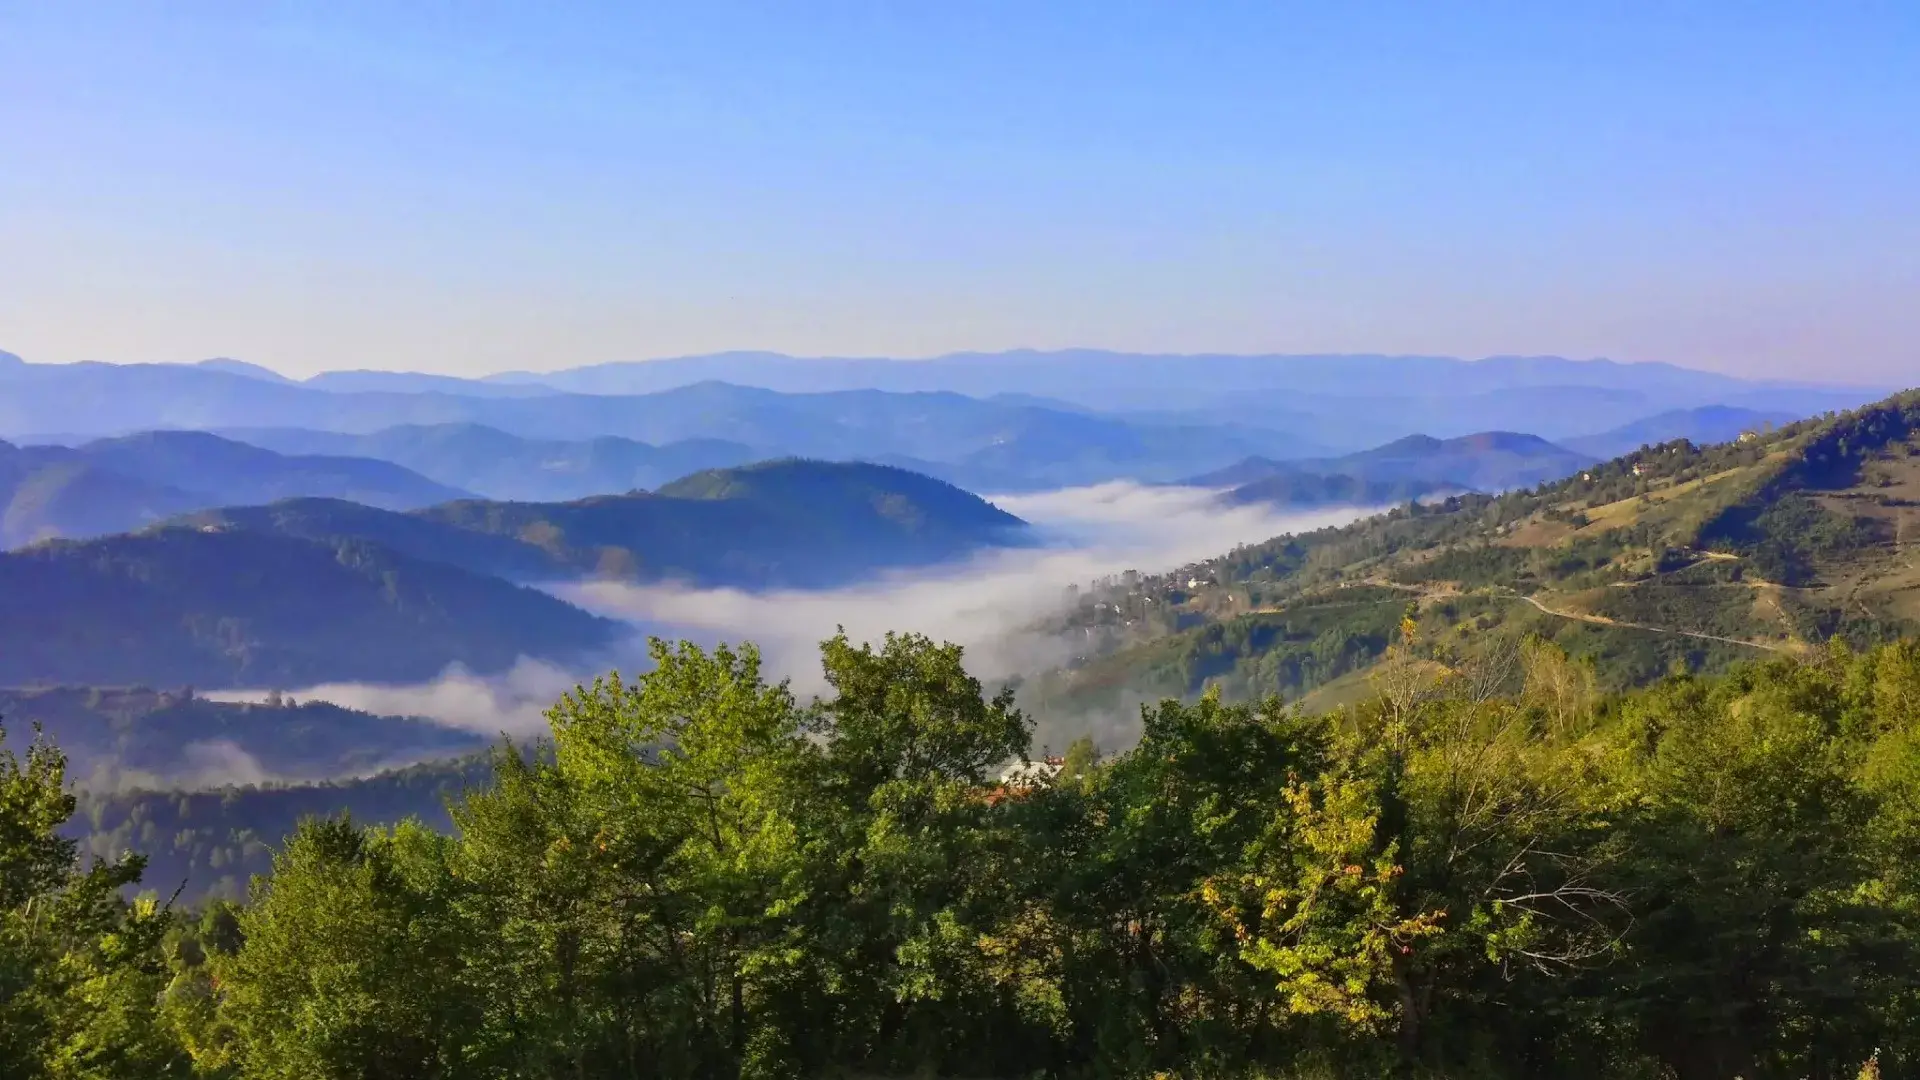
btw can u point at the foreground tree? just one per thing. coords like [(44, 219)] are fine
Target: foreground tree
[(80, 970)]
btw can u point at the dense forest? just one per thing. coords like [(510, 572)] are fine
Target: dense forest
[(1486, 866)]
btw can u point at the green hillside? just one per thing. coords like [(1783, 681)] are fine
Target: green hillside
[(178, 606), (779, 523), (1675, 556)]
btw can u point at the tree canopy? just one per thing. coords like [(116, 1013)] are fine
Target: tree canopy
[(1488, 868)]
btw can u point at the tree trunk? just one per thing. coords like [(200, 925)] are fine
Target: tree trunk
[(1410, 1016)]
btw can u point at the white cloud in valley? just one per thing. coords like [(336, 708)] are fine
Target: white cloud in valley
[(512, 702), (986, 603)]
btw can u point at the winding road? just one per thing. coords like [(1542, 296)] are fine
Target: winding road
[(1601, 620)]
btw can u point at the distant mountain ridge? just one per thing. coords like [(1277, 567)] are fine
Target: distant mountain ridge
[(1342, 400), (1419, 464), (1009, 443), (790, 523), (1023, 370), (498, 465), (1019, 420), (1707, 424), (1306, 491), (116, 485)]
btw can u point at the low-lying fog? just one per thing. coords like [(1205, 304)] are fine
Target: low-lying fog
[(985, 603)]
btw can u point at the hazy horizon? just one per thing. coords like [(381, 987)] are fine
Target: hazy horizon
[(559, 365)]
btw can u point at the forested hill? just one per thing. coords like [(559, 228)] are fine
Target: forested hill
[(1676, 555), (178, 606), (779, 523)]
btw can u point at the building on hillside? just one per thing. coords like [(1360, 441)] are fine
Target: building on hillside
[(1031, 773)]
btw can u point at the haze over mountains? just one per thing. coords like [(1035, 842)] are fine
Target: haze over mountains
[(1415, 466), (313, 590), (498, 465), (116, 485), (997, 422)]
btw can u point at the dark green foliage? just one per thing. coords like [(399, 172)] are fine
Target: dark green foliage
[(1787, 536), (1486, 564), (80, 971)]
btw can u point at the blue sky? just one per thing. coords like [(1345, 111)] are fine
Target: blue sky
[(467, 187)]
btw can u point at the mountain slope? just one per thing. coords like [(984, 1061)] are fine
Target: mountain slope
[(1707, 424), (1487, 461), (1674, 556), (1305, 491), (117, 485), (47, 492), (176, 606), (784, 523), (498, 465), (234, 472), (244, 369)]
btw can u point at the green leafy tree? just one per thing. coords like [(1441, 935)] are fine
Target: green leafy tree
[(351, 961), (80, 969)]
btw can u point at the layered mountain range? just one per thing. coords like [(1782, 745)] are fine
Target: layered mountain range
[(997, 422), (313, 590)]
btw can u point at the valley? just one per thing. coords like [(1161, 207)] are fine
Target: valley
[(233, 636)]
